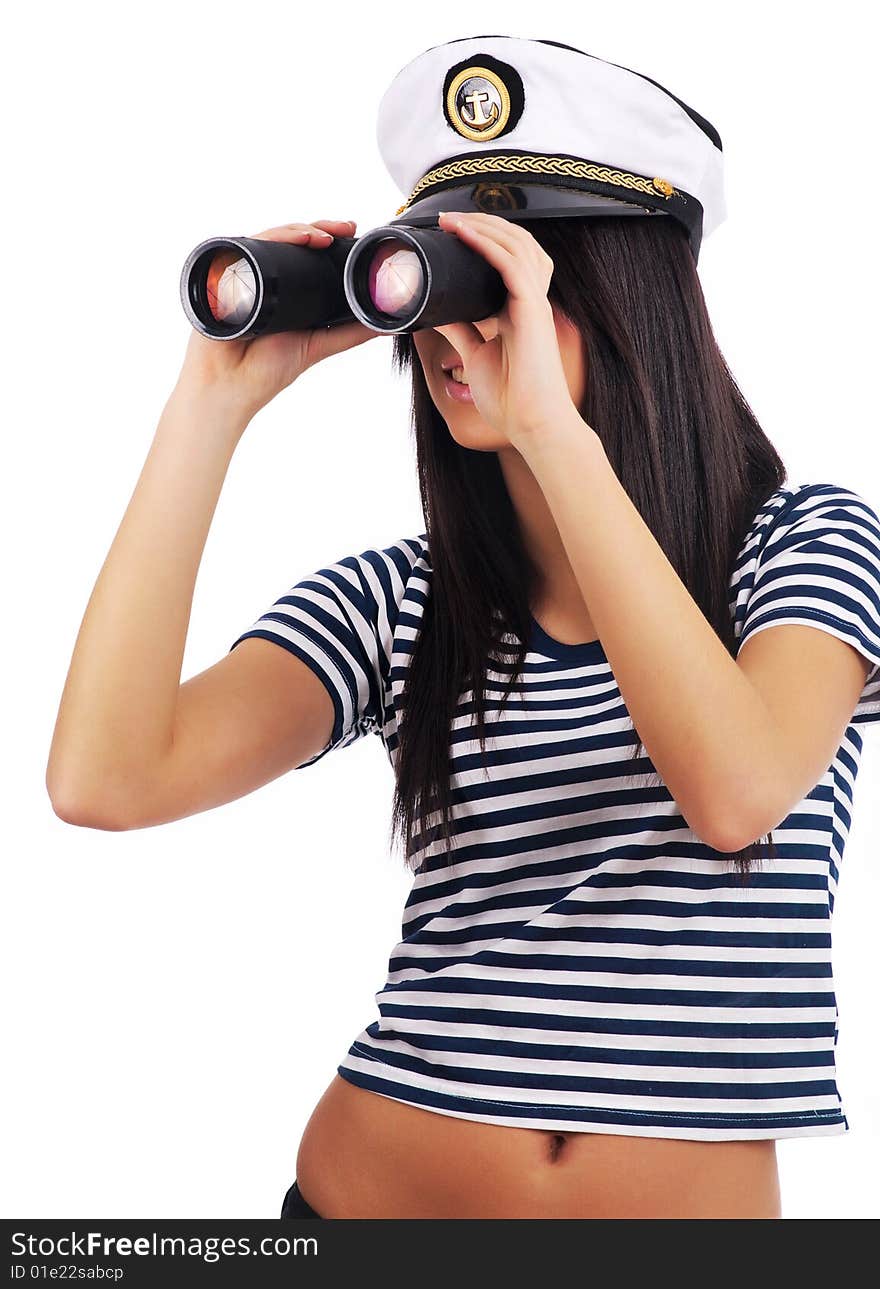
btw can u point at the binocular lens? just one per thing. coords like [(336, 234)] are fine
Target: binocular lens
[(395, 278), (230, 287)]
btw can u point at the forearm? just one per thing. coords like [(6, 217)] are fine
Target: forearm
[(116, 717), (704, 724)]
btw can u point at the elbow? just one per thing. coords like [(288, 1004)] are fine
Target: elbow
[(87, 811), (732, 838), (730, 827), (83, 815)]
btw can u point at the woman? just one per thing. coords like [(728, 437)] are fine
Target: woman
[(611, 996)]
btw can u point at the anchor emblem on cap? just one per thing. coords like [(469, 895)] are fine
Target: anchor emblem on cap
[(477, 119), (478, 103)]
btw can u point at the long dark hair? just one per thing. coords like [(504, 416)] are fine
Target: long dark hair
[(681, 439)]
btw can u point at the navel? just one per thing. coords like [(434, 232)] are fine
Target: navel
[(557, 1143)]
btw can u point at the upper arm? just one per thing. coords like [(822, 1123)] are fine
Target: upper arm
[(808, 622), (810, 683), (252, 716), (307, 676)]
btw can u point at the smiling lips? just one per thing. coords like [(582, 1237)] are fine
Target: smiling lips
[(457, 391), (455, 372)]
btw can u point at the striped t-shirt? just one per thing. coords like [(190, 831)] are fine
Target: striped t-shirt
[(588, 963)]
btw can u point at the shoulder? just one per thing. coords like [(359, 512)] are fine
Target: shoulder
[(392, 565), (796, 509), (400, 556), (364, 579), (832, 501), (796, 512), (379, 578), (808, 541)]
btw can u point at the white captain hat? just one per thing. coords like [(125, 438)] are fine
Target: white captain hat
[(536, 128)]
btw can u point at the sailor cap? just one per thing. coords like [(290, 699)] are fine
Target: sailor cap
[(534, 128)]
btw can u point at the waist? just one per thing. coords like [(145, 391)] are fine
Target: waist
[(366, 1155)]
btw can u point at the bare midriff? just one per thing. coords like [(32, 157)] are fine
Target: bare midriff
[(365, 1155)]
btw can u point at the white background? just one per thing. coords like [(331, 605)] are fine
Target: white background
[(176, 1000)]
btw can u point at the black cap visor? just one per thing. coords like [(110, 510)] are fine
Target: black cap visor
[(517, 201)]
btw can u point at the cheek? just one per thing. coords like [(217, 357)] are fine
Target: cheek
[(424, 356)]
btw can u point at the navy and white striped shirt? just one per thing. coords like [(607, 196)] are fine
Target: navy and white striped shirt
[(588, 963)]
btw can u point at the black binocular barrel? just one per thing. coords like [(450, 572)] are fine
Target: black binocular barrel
[(399, 278), (240, 287), (395, 278)]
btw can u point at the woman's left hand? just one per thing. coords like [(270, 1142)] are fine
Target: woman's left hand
[(516, 377)]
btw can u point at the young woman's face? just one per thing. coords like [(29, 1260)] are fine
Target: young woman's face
[(465, 424)]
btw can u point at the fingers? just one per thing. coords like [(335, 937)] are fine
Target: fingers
[(501, 230), (508, 232), (340, 227), (319, 233), (519, 283), (509, 248)]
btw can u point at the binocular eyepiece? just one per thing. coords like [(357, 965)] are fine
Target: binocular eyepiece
[(396, 278)]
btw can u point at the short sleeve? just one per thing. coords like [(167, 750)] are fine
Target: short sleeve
[(819, 565), (339, 622)]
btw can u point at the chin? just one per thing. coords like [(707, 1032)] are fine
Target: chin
[(473, 433), (467, 427)]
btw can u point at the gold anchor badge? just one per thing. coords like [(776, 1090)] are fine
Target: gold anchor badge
[(478, 103), (477, 119)]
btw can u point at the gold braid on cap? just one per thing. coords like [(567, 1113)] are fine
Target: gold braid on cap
[(568, 167)]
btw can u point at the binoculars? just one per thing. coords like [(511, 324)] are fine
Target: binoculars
[(395, 278)]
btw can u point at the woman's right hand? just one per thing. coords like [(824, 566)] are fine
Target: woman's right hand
[(248, 373)]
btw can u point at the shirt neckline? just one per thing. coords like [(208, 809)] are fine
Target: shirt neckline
[(583, 651)]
